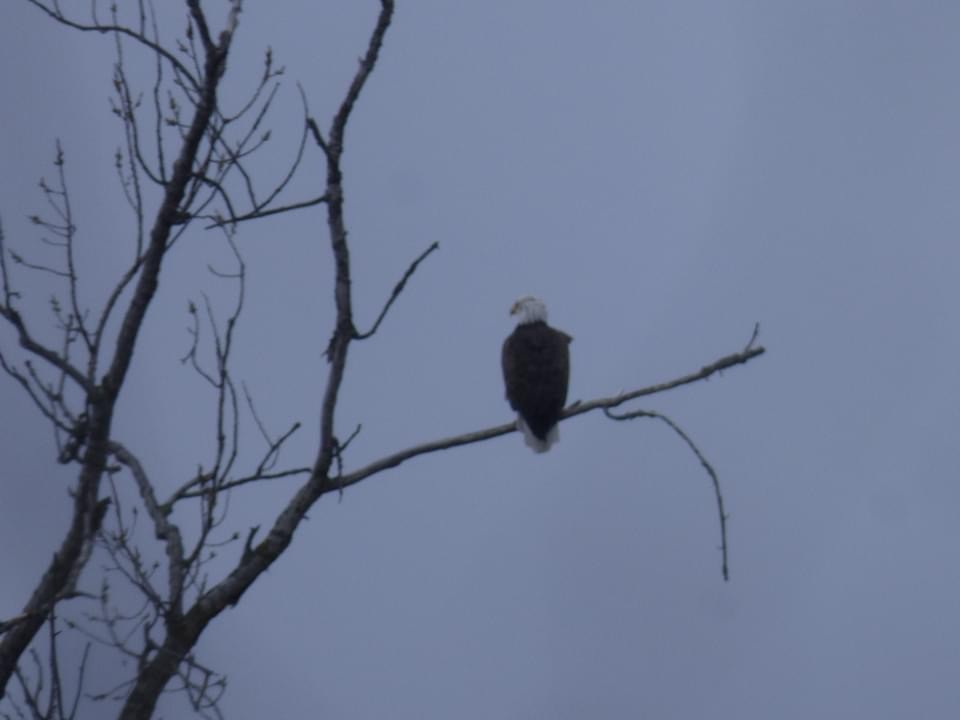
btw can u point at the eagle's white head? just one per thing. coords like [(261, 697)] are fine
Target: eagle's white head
[(530, 309)]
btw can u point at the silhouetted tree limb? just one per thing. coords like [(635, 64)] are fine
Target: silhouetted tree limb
[(137, 35), (398, 288), (577, 408), (44, 694), (724, 553)]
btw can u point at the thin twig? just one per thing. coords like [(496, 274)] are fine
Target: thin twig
[(139, 37), (53, 358), (187, 490), (257, 214), (703, 461), (398, 288)]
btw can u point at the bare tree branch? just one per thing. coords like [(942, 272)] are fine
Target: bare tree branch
[(701, 374), (188, 491), (52, 357), (577, 408), (257, 214), (703, 461), (120, 29), (398, 288), (165, 530)]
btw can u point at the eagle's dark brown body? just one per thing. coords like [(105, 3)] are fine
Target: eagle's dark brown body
[(536, 371)]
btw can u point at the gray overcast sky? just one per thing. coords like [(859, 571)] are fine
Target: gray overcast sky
[(663, 174)]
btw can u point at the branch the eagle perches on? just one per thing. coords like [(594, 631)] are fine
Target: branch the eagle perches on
[(748, 353)]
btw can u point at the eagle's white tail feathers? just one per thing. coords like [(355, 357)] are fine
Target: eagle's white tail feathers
[(535, 443)]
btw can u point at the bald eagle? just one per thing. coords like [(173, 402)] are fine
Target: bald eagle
[(536, 372)]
